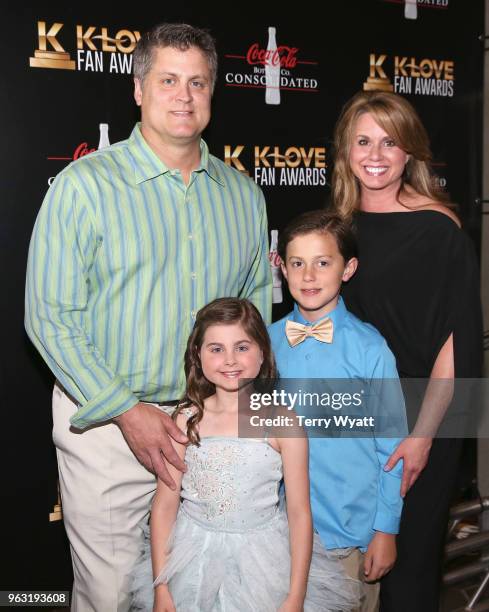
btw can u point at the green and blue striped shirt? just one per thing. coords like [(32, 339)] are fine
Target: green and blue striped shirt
[(123, 255)]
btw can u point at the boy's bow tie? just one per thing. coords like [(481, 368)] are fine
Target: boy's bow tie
[(297, 333)]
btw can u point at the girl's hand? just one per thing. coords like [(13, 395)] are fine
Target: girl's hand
[(163, 600), (292, 604), (414, 452)]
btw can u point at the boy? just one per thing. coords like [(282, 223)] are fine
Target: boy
[(356, 505)]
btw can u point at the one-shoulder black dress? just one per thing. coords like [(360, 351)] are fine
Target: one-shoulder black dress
[(417, 282)]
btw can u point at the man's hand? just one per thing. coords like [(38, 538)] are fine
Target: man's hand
[(380, 556), (414, 452), (147, 431)]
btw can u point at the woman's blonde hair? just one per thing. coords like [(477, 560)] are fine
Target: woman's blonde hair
[(397, 117)]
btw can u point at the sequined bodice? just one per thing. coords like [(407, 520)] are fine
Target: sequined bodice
[(231, 483)]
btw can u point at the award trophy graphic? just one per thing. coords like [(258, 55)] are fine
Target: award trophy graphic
[(50, 59)]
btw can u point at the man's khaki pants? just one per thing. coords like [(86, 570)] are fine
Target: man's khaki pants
[(105, 494)]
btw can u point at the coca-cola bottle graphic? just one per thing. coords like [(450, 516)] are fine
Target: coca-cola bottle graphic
[(411, 9), (272, 70), (275, 266), (104, 136)]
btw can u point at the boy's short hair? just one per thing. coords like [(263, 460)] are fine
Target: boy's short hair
[(320, 222)]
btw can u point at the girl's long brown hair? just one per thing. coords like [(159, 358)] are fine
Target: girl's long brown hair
[(223, 311), (397, 117)]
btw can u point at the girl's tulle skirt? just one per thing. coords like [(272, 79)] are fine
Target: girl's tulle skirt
[(217, 571)]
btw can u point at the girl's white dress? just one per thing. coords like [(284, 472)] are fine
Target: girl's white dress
[(229, 549)]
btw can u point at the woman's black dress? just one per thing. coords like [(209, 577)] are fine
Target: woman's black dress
[(418, 282)]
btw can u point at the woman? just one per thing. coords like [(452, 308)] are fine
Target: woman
[(417, 282)]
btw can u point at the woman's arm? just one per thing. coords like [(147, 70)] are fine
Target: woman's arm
[(415, 449), (163, 515), (439, 392), (296, 478)]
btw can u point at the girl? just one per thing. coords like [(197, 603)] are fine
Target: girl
[(219, 541)]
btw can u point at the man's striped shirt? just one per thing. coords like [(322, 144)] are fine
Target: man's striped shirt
[(123, 255)]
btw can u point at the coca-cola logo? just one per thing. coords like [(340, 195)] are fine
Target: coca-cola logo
[(275, 259), (282, 55), (82, 150)]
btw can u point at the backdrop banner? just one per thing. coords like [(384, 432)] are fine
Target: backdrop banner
[(283, 78)]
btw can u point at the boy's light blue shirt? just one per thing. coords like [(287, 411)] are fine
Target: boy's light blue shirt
[(351, 494)]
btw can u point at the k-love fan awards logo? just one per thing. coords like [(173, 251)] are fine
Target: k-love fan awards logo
[(293, 166), (422, 77), (96, 49), (411, 6), (274, 68)]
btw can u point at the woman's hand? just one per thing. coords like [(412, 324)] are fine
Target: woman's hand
[(414, 452)]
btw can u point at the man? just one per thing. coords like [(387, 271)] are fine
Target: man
[(130, 242)]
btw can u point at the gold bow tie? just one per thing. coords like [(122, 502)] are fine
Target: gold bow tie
[(297, 333)]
